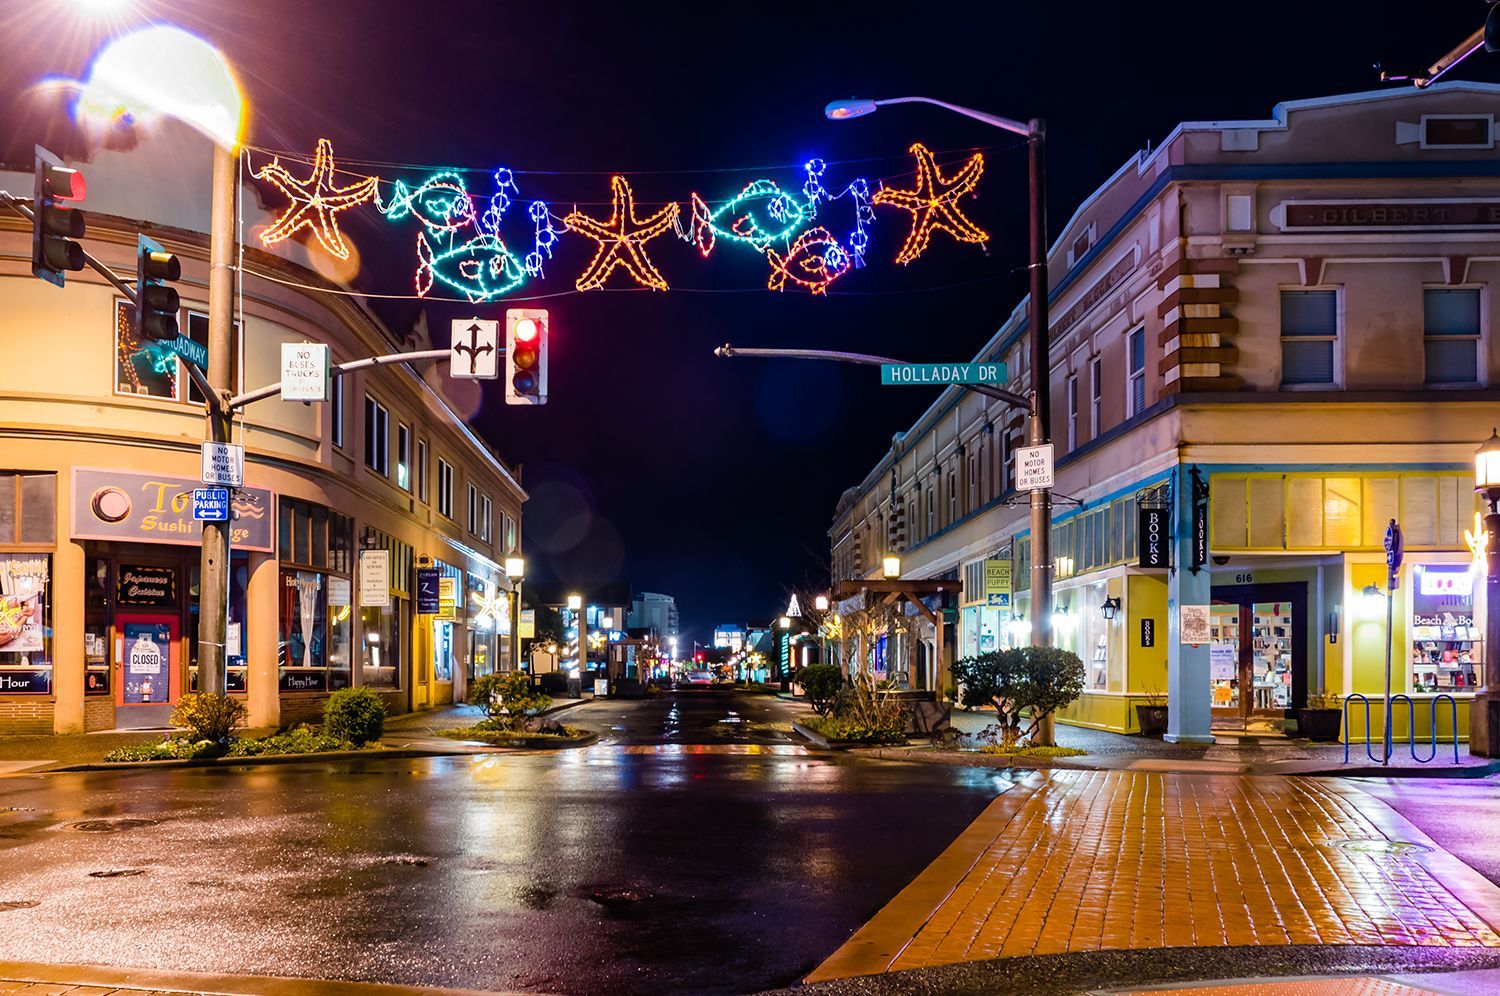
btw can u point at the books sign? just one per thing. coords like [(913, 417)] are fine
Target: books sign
[(1151, 537)]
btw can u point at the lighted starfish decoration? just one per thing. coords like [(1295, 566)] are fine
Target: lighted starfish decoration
[(622, 240), (316, 202), (934, 203)]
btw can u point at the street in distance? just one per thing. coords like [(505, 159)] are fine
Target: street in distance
[(923, 374)]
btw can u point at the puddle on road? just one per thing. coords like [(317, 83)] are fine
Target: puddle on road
[(118, 873), (536, 895), (18, 904), (112, 825)]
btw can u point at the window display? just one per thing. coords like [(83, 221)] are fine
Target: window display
[(25, 625), (1446, 648), (1271, 654)]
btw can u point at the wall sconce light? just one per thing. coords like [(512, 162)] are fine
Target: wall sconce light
[(1111, 607), (1373, 601), (1062, 620), (1333, 625)]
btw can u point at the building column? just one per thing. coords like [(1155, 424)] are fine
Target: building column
[(68, 660), (262, 629), (1189, 696)]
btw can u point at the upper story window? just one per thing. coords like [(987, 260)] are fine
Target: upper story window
[(1073, 412), (1096, 396), (952, 498), (336, 411), (510, 535), (403, 456), (473, 509), (444, 488), (973, 481), (1135, 367), (1309, 338), (421, 469), (146, 368), (1458, 131), (377, 437), (1451, 336), (931, 506), (486, 517)]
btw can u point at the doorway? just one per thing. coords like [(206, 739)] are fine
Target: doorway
[(148, 662), (1258, 654)]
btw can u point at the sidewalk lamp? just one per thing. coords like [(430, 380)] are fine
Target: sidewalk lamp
[(821, 603), (785, 622), (891, 566), (1110, 608), (575, 602), (515, 569)]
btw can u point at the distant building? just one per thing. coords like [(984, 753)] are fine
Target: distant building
[(655, 612), (606, 608), (730, 636)]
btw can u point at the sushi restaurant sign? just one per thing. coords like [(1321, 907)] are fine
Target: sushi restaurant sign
[(151, 508)]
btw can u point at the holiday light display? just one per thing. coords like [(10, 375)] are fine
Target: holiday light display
[(622, 239), (758, 216), (934, 203), (814, 261), (480, 266), (316, 202)]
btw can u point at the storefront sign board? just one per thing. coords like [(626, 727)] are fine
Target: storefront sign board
[(528, 624), (428, 602), (997, 583), (223, 464), (1192, 624), (146, 586), (375, 578), (151, 508), (1152, 539), (304, 371), (1148, 632), (37, 681), (447, 598)]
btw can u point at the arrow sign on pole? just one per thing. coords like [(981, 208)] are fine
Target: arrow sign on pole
[(476, 349)]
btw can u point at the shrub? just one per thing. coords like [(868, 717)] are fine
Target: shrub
[(207, 716), (849, 730), (1035, 680), (864, 704), (507, 694), (298, 740), (821, 684), (175, 749), (354, 714)]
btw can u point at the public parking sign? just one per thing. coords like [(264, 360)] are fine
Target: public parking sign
[(211, 504)]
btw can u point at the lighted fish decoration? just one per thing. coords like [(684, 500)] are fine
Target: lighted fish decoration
[(814, 261), (481, 268), (441, 203), (759, 215)]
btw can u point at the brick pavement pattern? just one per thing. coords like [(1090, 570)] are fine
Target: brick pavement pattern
[(1072, 861)]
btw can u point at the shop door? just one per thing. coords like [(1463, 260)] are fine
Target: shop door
[(147, 668), (1258, 657)]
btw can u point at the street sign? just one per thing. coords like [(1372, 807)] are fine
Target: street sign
[(1395, 550), (1034, 467), (375, 578), (304, 371), (942, 374), (191, 352), (223, 464), (211, 504), (475, 349)]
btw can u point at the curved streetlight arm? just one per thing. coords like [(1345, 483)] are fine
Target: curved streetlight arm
[(995, 120)]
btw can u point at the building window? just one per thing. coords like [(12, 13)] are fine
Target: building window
[(26, 623), (973, 482), (377, 437), (149, 368), (197, 330), (952, 498), (510, 534), (1309, 335), (403, 456), (931, 502), (1451, 336), (336, 411), (444, 488), (486, 514), (1136, 370), (422, 469), (473, 509), (1073, 412), (1096, 396)]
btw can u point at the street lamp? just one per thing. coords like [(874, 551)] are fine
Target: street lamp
[(785, 622), (1038, 424), (821, 603), (1484, 713), (515, 569), (891, 566)]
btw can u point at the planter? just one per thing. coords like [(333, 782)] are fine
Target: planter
[(1153, 719), (1321, 725)]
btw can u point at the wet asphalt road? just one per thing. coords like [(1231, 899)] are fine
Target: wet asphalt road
[(618, 868)]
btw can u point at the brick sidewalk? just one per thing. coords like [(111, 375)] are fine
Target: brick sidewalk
[(1071, 861)]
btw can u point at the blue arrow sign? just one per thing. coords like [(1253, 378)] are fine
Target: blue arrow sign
[(211, 504), (942, 374)]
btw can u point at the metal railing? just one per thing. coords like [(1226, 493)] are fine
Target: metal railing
[(1411, 727)]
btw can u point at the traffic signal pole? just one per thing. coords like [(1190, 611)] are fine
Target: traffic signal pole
[(213, 570)]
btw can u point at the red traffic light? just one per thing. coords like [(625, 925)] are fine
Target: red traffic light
[(526, 330)]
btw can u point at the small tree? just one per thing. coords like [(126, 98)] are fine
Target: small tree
[(1035, 680), (507, 696), (209, 717), (821, 684)]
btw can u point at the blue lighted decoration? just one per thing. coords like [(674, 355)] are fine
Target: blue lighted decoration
[(758, 216), (813, 189), (480, 267), (545, 238)]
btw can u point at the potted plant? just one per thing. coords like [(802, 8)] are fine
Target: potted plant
[(1152, 714), (1320, 720)]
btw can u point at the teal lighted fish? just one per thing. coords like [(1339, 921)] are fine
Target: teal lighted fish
[(761, 214)]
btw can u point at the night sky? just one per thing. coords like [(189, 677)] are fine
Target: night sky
[(654, 462)]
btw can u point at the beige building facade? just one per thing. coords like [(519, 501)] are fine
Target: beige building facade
[(1269, 339), (99, 458)]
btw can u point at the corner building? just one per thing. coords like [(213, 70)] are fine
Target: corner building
[(99, 456), (1293, 313)]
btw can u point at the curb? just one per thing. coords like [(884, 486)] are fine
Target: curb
[(587, 740), (394, 753)]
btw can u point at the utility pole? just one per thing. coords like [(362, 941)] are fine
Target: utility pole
[(213, 577), (1039, 424)]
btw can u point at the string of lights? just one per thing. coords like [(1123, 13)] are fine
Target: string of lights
[(934, 203), (622, 240)]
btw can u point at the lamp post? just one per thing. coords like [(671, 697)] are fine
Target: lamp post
[(1484, 712), (515, 569), (575, 605), (1038, 422)]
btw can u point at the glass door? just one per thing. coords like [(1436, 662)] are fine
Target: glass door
[(1224, 661), (1273, 638), (147, 665)]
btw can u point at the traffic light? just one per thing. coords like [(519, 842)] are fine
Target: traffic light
[(55, 225), (157, 304), (526, 356)]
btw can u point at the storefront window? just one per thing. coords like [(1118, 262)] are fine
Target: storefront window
[(96, 616), (25, 625), (380, 645), (1445, 649), (236, 673)]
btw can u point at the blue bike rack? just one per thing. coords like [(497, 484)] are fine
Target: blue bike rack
[(1411, 725)]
